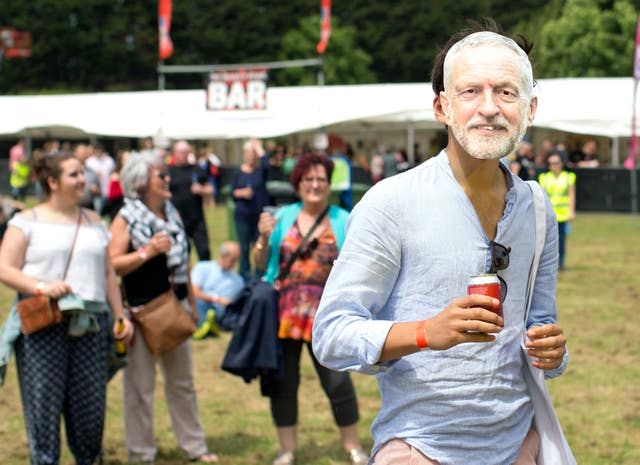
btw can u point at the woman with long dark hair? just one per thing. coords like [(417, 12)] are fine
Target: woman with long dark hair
[(62, 368)]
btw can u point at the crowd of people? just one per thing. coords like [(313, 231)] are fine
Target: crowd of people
[(155, 201), (155, 204), (528, 164)]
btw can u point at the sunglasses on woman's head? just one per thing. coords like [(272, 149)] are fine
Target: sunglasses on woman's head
[(499, 261)]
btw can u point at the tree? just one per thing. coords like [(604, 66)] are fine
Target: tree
[(591, 38), (81, 45), (404, 36), (344, 62), (96, 45)]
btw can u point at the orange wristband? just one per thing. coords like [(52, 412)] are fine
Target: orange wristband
[(421, 338)]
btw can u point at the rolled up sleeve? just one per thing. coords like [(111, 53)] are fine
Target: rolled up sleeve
[(348, 333)]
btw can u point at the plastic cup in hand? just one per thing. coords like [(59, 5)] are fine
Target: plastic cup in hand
[(270, 209)]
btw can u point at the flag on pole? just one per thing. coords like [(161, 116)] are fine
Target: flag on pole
[(325, 25), (164, 26), (630, 162)]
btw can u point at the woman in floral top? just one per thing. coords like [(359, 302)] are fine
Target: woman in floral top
[(300, 292)]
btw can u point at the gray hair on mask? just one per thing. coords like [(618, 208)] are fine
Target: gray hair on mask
[(489, 38)]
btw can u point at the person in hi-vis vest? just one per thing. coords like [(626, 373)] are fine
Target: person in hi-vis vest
[(560, 186)]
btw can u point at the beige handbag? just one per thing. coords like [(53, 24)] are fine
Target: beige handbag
[(164, 322)]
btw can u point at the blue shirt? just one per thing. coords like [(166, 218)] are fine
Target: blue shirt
[(212, 279), (257, 179), (412, 243)]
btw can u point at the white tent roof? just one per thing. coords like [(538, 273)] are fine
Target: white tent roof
[(596, 106)]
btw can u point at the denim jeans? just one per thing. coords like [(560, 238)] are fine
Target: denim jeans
[(247, 230), (562, 233), (203, 307)]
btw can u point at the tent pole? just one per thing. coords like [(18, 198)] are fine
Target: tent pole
[(28, 145), (320, 74), (615, 151), (634, 190), (410, 144), (161, 79)]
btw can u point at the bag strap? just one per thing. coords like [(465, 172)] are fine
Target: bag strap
[(554, 448), (73, 244), (285, 271), (541, 232)]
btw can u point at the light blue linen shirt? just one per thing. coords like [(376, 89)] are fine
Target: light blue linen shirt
[(412, 243)]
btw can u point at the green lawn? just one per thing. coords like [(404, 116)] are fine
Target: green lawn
[(598, 399)]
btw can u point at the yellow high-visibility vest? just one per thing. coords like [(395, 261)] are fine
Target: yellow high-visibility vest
[(20, 175), (557, 188)]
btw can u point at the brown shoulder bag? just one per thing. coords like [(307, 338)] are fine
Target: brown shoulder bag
[(39, 311), (163, 321)]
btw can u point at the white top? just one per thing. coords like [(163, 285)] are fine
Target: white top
[(48, 249), (103, 166)]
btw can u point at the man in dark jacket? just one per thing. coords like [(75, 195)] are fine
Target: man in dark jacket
[(189, 184)]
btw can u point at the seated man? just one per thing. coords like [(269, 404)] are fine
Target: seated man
[(215, 285)]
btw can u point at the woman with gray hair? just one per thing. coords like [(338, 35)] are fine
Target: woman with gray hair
[(149, 249)]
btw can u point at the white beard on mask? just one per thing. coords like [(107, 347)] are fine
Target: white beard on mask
[(487, 147)]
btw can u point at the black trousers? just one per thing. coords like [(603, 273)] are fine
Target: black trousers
[(197, 230), (336, 385)]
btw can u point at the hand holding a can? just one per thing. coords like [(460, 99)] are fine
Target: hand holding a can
[(488, 284), (547, 344), (464, 320)]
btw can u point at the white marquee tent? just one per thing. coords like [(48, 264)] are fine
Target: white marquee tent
[(593, 106)]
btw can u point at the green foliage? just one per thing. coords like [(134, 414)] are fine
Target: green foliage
[(97, 45), (403, 37), (78, 44), (591, 38), (344, 63)]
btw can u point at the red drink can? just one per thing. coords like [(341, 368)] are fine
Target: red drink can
[(486, 284)]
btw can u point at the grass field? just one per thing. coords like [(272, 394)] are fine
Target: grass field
[(597, 400)]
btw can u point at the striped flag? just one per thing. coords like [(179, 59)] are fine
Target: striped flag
[(325, 25), (630, 162), (165, 46)]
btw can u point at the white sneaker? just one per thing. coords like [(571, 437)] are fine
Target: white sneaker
[(284, 457), (358, 456)]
